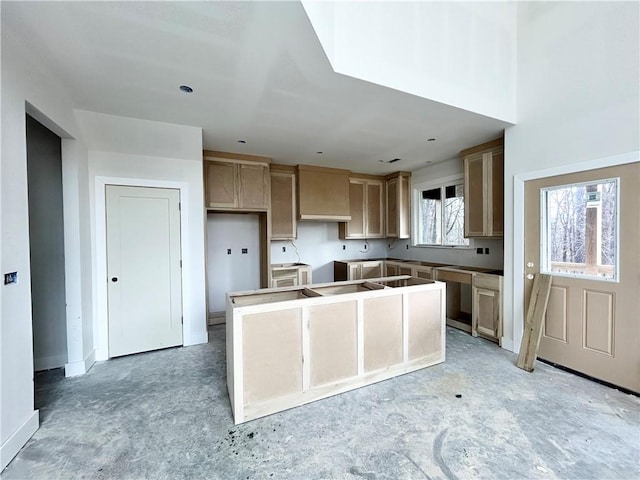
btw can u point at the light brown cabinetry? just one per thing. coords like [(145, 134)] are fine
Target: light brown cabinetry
[(357, 269), (487, 306), (393, 268), (397, 205), (236, 182), (484, 190), (283, 202), (366, 203), (290, 274), (323, 194)]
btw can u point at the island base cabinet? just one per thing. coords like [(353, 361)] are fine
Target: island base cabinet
[(291, 346)]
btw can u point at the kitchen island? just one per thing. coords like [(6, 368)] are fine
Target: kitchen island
[(290, 346)]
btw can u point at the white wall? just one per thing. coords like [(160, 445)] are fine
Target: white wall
[(318, 245), (26, 78), (156, 154), (578, 97), (238, 271), (458, 53)]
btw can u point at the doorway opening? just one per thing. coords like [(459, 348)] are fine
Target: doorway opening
[(46, 246)]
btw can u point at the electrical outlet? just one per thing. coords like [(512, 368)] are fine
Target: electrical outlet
[(228, 251), (245, 250), (365, 246), (284, 249), (407, 246), (486, 251), (11, 277), (344, 247), (479, 250)]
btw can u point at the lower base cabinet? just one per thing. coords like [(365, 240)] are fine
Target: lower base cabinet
[(487, 306), (290, 274), (291, 346)]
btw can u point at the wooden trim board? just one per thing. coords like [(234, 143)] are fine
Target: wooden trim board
[(533, 325)]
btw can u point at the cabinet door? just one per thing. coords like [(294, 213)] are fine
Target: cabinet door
[(304, 276), (397, 209), (374, 209), (404, 270), (486, 312), (497, 194), (283, 206), (355, 272), (422, 272), (475, 203), (404, 213), (392, 207), (390, 269), (221, 184), (290, 281), (253, 186), (355, 228), (371, 269)]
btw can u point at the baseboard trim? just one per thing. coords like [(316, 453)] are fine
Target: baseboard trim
[(47, 363), (73, 369), (507, 344), (18, 439), (216, 318)]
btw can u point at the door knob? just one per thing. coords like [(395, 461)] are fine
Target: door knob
[(114, 279)]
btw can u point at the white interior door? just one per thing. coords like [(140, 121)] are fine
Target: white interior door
[(584, 230), (143, 268)]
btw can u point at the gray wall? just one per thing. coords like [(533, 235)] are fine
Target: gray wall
[(238, 271), (46, 242)]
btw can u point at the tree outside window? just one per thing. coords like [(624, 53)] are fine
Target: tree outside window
[(441, 216), (581, 229)]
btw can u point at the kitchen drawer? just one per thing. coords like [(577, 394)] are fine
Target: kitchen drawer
[(483, 280)]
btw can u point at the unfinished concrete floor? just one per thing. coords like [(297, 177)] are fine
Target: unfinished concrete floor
[(166, 414)]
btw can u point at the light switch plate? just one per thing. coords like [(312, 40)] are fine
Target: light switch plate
[(11, 277)]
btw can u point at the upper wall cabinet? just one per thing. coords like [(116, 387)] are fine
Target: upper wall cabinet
[(283, 202), (236, 182), (484, 190), (323, 194), (366, 202), (397, 205)]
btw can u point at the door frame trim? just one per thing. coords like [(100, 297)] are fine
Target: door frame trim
[(518, 230), (101, 317)]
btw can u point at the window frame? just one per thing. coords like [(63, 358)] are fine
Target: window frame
[(416, 193), (545, 261)]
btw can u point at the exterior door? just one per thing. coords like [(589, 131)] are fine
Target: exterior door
[(584, 230), (143, 268)]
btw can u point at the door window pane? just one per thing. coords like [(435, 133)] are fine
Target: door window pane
[(580, 231)]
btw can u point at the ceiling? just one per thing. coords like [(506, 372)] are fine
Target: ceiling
[(258, 72)]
